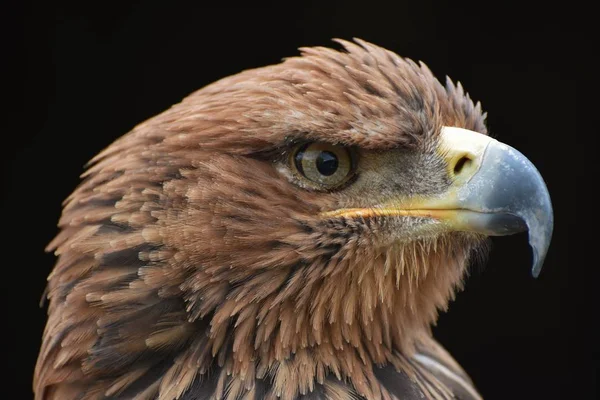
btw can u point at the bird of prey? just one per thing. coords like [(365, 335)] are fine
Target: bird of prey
[(289, 232)]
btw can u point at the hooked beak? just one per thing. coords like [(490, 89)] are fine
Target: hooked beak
[(495, 191)]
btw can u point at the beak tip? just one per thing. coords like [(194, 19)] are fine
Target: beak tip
[(539, 246), (537, 267)]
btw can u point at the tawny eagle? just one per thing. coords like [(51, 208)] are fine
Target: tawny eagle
[(287, 232)]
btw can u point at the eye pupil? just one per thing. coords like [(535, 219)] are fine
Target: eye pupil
[(327, 163)]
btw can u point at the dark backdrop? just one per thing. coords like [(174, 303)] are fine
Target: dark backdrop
[(85, 74)]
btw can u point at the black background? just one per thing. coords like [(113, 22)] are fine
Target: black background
[(84, 74)]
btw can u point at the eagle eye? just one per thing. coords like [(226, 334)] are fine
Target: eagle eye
[(322, 166)]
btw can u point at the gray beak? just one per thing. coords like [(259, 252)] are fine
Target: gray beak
[(501, 191)]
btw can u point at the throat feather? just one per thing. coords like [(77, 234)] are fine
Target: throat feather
[(339, 315)]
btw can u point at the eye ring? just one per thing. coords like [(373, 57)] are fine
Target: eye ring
[(322, 166)]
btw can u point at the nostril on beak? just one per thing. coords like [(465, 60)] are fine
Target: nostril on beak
[(462, 164)]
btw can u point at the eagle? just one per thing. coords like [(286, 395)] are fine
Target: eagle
[(289, 232)]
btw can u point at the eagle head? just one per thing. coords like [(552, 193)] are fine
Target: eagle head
[(290, 231)]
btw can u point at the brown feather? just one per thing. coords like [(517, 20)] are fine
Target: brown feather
[(189, 267)]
